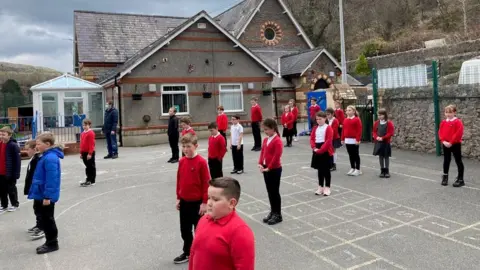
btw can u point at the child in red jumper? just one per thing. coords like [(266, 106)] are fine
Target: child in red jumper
[(313, 109), (321, 141), (383, 130), (351, 136), (256, 118), (340, 116), (216, 151), (87, 153), (333, 123), (185, 123), (223, 241), (192, 192), (292, 104), (287, 122), (450, 134), (270, 165), (222, 122)]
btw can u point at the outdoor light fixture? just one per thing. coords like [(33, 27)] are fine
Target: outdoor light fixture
[(207, 61)]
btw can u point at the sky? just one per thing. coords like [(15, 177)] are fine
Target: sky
[(40, 32)]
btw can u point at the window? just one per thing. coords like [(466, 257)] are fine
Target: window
[(269, 34), (175, 96), (72, 104), (50, 109), (231, 97)]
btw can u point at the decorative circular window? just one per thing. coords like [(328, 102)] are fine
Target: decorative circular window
[(271, 33)]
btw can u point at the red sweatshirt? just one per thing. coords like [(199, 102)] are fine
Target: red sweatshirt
[(288, 118), (295, 113), (217, 147), (340, 115), (327, 145), (313, 111), (3, 158), (451, 131), (223, 244), (334, 125), (189, 130), (390, 131), (352, 128), (192, 179), (271, 153), (87, 142), (222, 122), (256, 113)]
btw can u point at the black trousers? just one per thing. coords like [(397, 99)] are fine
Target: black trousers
[(173, 141), (47, 222), (272, 182), (90, 168), (256, 134), (354, 155), (289, 139), (215, 166), (456, 150), (188, 219), (323, 172), (37, 210), (8, 190), (313, 122), (237, 155), (224, 134)]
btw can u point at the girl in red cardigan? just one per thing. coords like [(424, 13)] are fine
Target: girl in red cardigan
[(351, 136), (339, 115), (450, 134), (269, 164), (287, 122), (383, 130), (321, 140), (334, 123), (292, 104), (222, 122)]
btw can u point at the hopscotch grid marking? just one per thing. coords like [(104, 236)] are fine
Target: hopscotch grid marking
[(339, 238), (463, 229), (364, 264)]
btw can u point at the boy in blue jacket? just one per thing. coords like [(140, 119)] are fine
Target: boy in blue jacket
[(10, 169), (46, 188)]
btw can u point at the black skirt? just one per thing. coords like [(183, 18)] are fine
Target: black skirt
[(337, 143), (287, 132), (382, 149), (319, 160)]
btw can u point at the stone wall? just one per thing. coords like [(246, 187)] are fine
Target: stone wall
[(412, 112)]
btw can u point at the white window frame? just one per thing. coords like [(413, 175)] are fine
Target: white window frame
[(231, 91), (185, 92)]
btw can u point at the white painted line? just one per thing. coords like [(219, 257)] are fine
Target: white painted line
[(48, 265), (463, 229), (364, 264)]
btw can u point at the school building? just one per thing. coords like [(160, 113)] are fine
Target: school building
[(147, 64)]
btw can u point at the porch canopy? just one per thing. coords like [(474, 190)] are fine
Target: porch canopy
[(56, 101)]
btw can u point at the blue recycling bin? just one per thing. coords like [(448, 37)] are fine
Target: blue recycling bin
[(321, 96)]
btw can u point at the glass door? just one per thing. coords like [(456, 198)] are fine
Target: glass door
[(95, 108)]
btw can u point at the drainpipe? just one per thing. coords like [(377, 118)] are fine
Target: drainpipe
[(120, 136)]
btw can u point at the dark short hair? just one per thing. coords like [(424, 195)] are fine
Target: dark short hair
[(321, 114), (212, 125), (384, 113), (236, 117), (87, 122), (231, 187), (189, 138), (313, 99), (330, 111)]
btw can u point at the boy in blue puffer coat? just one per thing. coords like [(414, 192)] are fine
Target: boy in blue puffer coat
[(45, 189)]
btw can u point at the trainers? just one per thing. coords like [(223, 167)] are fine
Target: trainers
[(319, 191), (181, 259), (33, 229), (267, 218), (295, 139), (47, 248), (115, 156), (459, 183), (240, 172), (276, 218), (387, 173), (233, 172), (356, 173), (327, 191), (351, 172), (107, 157), (445, 180), (38, 234), (12, 208), (86, 184)]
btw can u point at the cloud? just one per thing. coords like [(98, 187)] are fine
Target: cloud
[(40, 32)]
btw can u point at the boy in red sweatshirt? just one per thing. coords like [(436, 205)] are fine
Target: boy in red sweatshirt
[(87, 153), (222, 122), (217, 148), (192, 192), (450, 135), (256, 117), (340, 116), (185, 123), (223, 241), (313, 109)]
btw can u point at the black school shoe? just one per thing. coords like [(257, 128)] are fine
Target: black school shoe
[(445, 180), (382, 173), (275, 219), (267, 218), (459, 183), (47, 248), (181, 259), (387, 173), (334, 167)]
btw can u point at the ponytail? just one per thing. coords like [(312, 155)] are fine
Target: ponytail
[(272, 124)]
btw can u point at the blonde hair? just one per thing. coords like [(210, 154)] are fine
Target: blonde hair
[(353, 109), (289, 108), (189, 138), (7, 130), (451, 108), (31, 144), (47, 137), (292, 100)]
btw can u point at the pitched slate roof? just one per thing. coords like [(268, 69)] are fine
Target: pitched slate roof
[(146, 52), (296, 63), (235, 18), (271, 57), (114, 37)]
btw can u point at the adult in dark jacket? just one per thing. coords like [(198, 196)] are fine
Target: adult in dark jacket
[(12, 169), (173, 135), (110, 130)]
